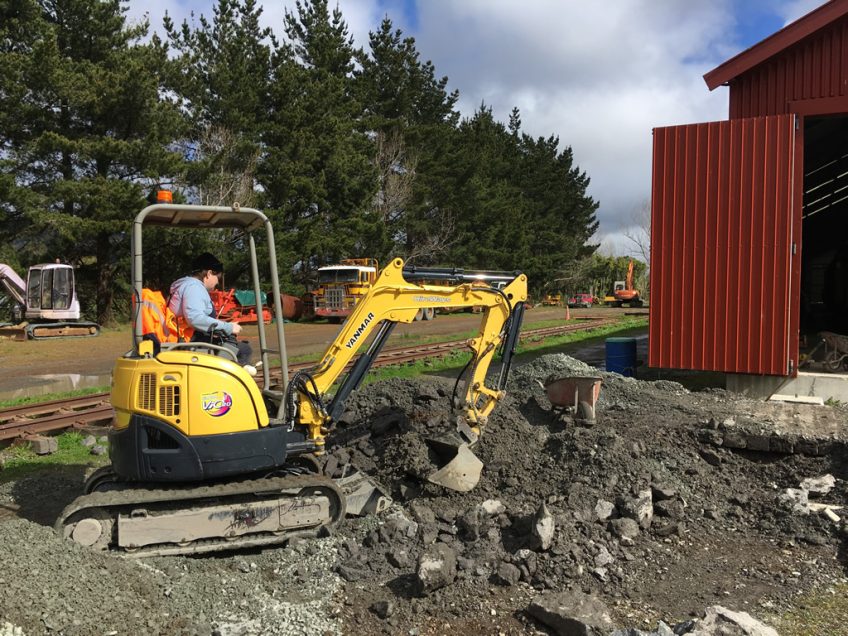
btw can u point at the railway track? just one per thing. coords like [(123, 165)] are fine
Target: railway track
[(95, 410)]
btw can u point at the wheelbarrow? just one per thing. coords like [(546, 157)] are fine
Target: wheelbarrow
[(836, 350), (579, 393)]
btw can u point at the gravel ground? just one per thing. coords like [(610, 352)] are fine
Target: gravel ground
[(669, 503)]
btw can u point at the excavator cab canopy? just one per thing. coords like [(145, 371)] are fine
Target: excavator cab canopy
[(248, 220)]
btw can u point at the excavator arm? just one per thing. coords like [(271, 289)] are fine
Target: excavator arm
[(13, 284), (396, 297)]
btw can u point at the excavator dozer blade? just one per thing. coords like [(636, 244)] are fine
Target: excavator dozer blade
[(460, 469), (363, 495)]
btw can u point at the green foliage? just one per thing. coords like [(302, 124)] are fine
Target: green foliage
[(409, 113), (317, 174), (519, 202), (351, 152), (222, 75), (820, 611), (85, 133), (596, 274)]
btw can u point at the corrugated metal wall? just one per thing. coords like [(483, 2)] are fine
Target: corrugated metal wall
[(815, 68), (723, 212)]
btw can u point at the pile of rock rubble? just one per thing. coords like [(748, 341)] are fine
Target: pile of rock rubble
[(601, 510), (657, 517)]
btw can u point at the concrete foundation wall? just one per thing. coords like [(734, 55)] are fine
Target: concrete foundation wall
[(827, 386)]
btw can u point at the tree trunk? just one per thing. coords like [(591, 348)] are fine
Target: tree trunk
[(105, 279)]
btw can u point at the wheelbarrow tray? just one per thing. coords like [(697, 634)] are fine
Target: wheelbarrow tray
[(579, 392)]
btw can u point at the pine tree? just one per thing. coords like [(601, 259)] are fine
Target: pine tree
[(491, 224), (223, 79), (410, 113), (316, 173), (523, 203), (559, 213), (84, 134)]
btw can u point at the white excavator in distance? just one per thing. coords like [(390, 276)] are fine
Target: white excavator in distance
[(46, 305)]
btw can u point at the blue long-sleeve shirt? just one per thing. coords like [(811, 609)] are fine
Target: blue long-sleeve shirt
[(190, 300)]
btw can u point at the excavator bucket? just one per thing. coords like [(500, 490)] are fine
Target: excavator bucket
[(460, 468)]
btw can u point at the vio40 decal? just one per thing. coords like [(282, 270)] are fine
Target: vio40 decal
[(216, 404)]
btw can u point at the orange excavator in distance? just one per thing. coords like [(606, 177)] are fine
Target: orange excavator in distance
[(625, 293)]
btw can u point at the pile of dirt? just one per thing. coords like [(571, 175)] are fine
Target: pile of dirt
[(670, 502), (650, 511)]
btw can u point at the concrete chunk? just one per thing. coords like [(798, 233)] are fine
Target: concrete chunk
[(421, 513), (398, 523), (436, 568), (639, 508), (720, 621), (796, 499), (624, 528), (543, 528), (819, 485), (42, 445), (662, 492), (572, 614), (492, 507), (604, 509), (734, 439), (508, 574)]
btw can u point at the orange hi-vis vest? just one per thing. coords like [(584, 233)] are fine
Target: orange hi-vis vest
[(158, 320)]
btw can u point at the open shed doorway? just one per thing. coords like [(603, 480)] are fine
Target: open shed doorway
[(824, 268)]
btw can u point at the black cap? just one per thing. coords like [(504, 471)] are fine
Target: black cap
[(207, 261)]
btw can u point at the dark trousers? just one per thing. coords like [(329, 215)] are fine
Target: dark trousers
[(242, 348)]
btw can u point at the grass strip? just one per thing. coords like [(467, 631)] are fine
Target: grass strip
[(19, 460), (49, 397), (815, 613), (456, 360)]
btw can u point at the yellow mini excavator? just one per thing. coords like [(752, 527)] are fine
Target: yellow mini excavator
[(203, 459)]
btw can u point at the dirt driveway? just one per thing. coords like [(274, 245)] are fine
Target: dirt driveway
[(36, 367)]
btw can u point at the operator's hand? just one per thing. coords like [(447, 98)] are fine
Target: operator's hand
[(236, 328)]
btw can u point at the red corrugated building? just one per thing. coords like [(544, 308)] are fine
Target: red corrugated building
[(749, 221)]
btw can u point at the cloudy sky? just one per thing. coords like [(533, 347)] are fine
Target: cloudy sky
[(599, 75)]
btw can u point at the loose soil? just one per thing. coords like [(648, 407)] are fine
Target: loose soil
[(671, 501)]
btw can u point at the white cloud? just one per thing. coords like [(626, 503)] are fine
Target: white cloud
[(599, 75)]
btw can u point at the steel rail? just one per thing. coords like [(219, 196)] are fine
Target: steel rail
[(52, 406)]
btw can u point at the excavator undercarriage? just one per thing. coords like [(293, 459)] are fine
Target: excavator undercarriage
[(263, 510), (141, 522)]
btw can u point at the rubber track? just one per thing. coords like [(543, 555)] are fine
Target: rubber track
[(141, 495)]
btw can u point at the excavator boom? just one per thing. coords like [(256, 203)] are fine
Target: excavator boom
[(396, 297)]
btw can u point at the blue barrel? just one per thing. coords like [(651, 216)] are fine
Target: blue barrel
[(621, 356)]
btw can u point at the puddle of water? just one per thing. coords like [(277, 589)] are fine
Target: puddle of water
[(36, 385)]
